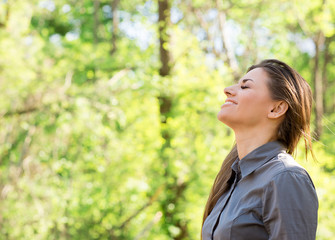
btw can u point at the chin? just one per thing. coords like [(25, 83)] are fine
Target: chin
[(226, 119), (222, 118)]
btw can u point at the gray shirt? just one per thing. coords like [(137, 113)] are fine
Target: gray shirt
[(271, 197)]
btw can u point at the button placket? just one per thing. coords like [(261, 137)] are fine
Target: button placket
[(224, 205)]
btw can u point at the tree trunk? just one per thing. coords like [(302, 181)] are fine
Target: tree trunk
[(115, 30), (318, 85), (327, 59), (6, 19), (174, 189), (96, 21), (163, 23)]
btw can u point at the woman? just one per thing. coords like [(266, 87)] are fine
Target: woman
[(260, 191)]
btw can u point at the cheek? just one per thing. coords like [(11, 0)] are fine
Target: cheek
[(253, 105), (251, 110)]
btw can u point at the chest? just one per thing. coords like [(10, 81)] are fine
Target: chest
[(238, 213)]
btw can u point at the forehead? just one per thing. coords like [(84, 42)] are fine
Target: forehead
[(257, 75)]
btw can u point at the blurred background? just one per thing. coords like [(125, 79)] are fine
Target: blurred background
[(108, 109)]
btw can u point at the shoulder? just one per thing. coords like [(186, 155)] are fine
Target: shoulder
[(289, 200), (284, 164), (289, 181)]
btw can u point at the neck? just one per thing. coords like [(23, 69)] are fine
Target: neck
[(249, 140)]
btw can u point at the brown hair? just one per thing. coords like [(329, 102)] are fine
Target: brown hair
[(287, 85)]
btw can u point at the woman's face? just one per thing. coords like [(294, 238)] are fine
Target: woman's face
[(248, 102)]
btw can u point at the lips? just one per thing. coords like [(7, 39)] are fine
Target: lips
[(229, 102)]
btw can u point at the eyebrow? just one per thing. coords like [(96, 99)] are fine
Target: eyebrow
[(247, 79)]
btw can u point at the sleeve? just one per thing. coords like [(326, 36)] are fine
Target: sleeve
[(290, 207)]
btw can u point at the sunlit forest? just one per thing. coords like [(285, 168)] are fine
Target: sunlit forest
[(108, 109)]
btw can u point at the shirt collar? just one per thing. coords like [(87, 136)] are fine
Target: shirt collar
[(257, 157)]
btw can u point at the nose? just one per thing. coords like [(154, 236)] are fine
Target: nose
[(229, 91)]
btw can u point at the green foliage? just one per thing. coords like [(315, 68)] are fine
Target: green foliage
[(82, 154)]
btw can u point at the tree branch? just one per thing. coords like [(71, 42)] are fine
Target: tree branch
[(117, 76), (233, 64), (21, 111), (151, 200), (156, 218)]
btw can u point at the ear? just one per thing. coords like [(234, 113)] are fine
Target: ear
[(278, 109)]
